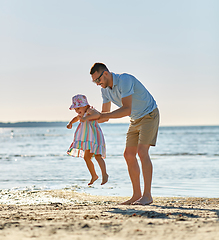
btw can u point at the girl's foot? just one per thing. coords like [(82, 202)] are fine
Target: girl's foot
[(93, 179), (105, 179)]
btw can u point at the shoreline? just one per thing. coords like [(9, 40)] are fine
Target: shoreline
[(65, 214)]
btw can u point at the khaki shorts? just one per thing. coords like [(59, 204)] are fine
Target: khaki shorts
[(143, 130)]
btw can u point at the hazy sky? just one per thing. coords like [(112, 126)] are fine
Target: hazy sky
[(48, 47)]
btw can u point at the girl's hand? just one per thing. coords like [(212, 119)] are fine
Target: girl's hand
[(69, 126)]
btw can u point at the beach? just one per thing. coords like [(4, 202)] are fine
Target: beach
[(44, 193), (66, 214)]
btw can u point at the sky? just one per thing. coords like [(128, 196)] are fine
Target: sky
[(47, 48)]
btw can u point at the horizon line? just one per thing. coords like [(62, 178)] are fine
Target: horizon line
[(60, 122)]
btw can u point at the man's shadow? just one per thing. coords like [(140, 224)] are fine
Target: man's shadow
[(179, 212)]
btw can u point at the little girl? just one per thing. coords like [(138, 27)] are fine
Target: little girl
[(88, 137)]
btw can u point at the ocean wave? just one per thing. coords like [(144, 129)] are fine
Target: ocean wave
[(170, 154), (33, 135), (180, 154), (12, 156)]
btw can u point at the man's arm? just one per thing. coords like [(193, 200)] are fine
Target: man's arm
[(105, 108), (92, 114), (124, 111)]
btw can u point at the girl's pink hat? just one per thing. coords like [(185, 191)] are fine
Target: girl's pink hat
[(79, 101)]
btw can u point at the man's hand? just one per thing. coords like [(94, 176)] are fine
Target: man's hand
[(92, 114), (82, 119)]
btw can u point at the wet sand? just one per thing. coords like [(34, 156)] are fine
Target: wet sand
[(65, 215)]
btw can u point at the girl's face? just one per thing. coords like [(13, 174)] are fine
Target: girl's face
[(81, 111)]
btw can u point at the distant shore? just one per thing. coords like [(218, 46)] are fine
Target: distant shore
[(32, 124), (65, 214)]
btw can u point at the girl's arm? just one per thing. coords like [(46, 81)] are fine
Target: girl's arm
[(75, 119)]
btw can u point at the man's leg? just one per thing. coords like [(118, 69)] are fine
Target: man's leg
[(134, 173), (147, 170)]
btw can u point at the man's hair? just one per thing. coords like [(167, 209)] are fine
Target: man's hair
[(97, 67)]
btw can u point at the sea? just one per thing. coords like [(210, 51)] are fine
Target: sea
[(185, 161)]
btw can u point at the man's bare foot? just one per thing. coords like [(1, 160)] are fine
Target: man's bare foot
[(145, 200), (130, 201), (93, 179), (105, 179)]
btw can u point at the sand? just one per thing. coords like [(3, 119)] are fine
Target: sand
[(65, 215)]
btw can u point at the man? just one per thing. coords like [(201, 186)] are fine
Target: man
[(133, 100)]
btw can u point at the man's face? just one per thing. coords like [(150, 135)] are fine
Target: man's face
[(100, 79)]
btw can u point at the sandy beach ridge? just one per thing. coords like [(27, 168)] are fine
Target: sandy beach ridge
[(66, 214)]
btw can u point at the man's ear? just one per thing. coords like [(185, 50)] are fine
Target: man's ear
[(106, 73)]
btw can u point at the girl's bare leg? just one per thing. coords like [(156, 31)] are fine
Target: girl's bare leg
[(102, 165), (90, 166)]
